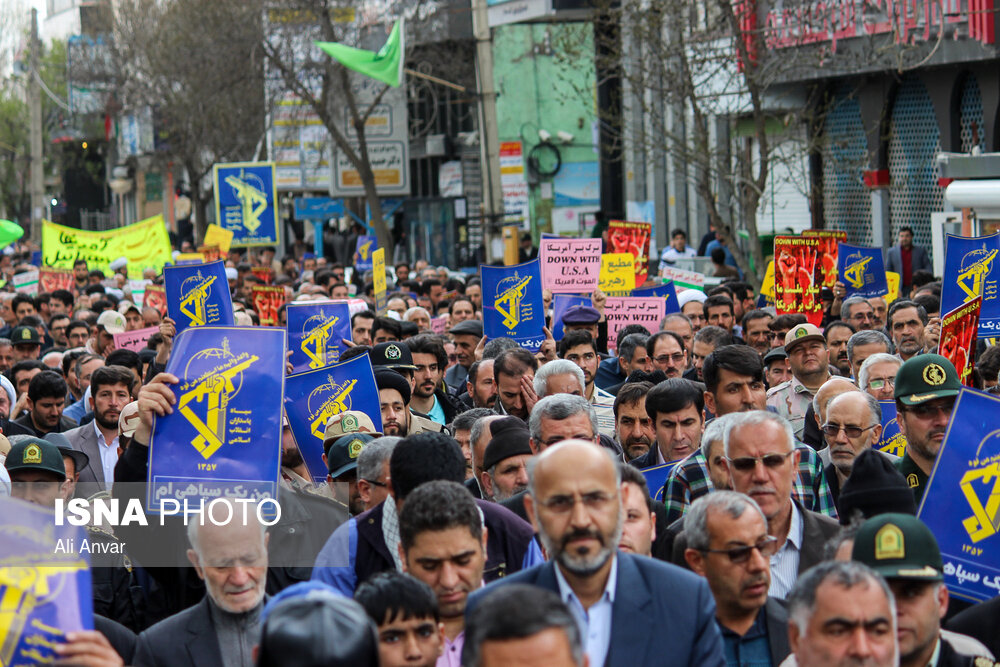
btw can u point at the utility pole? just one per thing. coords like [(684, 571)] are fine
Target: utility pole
[(489, 139), (35, 134)]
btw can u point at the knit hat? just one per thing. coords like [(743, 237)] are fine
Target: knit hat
[(875, 487), (507, 443)]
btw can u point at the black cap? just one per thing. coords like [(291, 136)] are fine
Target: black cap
[(35, 454), (504, 425), (655, 377), (408, 329), (775, 353), (875, 487), (467, 328), (505, 444), (342, 456), (581, 315), (25, 336), (392, 355), (386, 378), (317, 629)]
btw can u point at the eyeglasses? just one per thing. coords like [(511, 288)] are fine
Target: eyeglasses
[(737, 555), (376, 483), (664, 358), (878, 384), (748, 463), (926, 411), (593, 502), (852, 431)]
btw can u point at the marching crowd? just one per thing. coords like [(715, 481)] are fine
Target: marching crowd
[(501, 515)]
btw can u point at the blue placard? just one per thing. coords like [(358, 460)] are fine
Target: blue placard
[(246, 202), (512, 303), (312, 398), (318, 208), (560, 304), (36, 258), (861, 270), (892, 440), (224, 436), (45, 587), (959, 505), (198, 295), (656, 478), (366, 246), (665, 290), (315, 334), (970, 271)]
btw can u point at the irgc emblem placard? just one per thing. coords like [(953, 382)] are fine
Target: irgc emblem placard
[(962, 502), (861, 270), (198, 295), (246, 202), (970, 266), (44, 584), (224, 436), (315, 333), (313, 397), (512, 303)]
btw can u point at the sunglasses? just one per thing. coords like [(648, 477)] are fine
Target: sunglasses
[(738, 555), (852, 431), (748, 463), (878, 384)]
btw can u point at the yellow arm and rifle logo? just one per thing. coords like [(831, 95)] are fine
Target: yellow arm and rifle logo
[(194, 303), (314, 345), (364, 250), (214, 392), (252, 200), (21, 590), (333, 405), (985, 519), (855, 272), (976, 273), (508, 302)]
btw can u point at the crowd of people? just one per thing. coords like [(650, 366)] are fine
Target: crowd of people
[(501, 514)]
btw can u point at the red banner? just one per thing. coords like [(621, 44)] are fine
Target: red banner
[(633, 238), (155, 296), (958, 338), (828, 241), (266, 301), (264, 273), (49, 280), (796, 277)]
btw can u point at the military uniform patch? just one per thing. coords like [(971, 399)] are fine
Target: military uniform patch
[(889, 543)]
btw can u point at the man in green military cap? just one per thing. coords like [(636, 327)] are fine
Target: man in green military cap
[(902, 549), (37, 472), (925, 390)]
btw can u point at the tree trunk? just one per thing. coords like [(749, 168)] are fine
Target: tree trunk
[(382, 232)]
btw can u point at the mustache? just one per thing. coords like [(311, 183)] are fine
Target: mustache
[(759, 579), (641, 440), (841, 450), (578, 534), (761, 488)]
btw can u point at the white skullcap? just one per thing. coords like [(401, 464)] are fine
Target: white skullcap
[(689, 295)]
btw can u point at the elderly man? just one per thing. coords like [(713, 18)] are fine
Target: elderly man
[(522, 625), (618, 599), (776, 368), (907, 324), (505, 465), (877, 375), (562, 376), (842, 613), (864, 344), (633, 427), (757, 332), (853, 424), (562, 417), (762, 462), (466, 335), (808, 357), (373, 470), (221, 630), (881, 308), (479, 437), (729, 546), (812, 435), (857, 312)]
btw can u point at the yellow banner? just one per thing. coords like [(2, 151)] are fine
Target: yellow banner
[(216, 235), (767, 286), (617, 273), (892, 280), (144, 244), (378, 278)]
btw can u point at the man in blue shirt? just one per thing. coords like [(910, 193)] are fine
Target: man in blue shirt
[(729, 546)]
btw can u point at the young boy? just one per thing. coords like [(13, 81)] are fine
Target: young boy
[(410, 631)]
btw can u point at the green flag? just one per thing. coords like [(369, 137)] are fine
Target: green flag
[(386, 65), (9, 232)]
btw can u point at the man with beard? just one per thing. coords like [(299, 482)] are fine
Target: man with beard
[(514, 373), (580, 348), (728, 544), (443, 544), (756, 331), (907, 321), (853, 424), (46, 399), (925, 392), (506, 465), (633, 427), (295, 474), (466, 335), (429, 397), (394, 401), (621, 602), (480, 387), (808, 357), (110, 392), (666, 351), (341, 459), (837, 334)]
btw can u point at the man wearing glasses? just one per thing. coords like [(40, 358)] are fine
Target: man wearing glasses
[(926, 387), (853, 424), (666, 350), (857, 312), (762, 462), (729, 546), (877, 375)]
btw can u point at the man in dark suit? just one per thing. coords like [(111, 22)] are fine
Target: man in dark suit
[(762, 462), (622, 603), (110, 392), (227, 620), (728, 544), (906, 259)]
